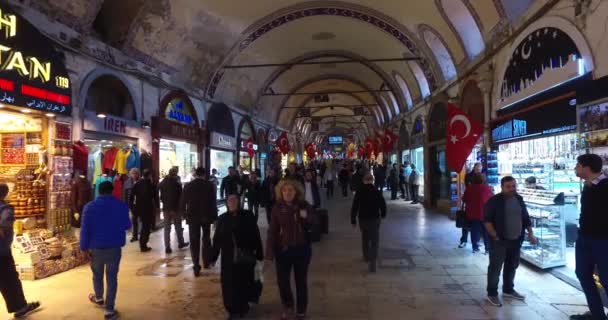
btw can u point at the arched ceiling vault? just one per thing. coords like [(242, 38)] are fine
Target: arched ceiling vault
[(193, 40)]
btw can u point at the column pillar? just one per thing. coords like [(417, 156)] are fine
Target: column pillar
[(484, 83)]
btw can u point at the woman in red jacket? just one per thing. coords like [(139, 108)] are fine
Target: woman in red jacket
[(475, 197)]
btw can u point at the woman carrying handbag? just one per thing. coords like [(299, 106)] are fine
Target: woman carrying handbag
[(237, 238)]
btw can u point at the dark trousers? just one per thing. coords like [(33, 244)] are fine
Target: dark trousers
[(402, 188), (344, 186), (330, 188), (370, 236), (254, 207), (173, 218), (408, 192), (195, 244), (464, 238), (414, 189), (592, 253), (10, 285), (268, 213), (106, 261), (503, 252), (477, 231), (146, 228), (297, 259), (394, 191), (135, 222)]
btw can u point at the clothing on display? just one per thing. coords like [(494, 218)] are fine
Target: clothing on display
[(120, 163), (109, 157), (81, 157), (133, 160)]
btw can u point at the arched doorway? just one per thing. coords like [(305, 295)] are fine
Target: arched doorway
[(222, 142), (111, 132), (439, 174), (178, 139), (246, 131)]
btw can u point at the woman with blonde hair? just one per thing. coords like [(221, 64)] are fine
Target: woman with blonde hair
[(289, 244)]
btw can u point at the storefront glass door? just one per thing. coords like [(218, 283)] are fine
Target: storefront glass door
[(417, 157), (178, 154), (221, 160)]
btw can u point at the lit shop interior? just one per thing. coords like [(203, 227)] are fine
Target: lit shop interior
[(220, 160), (182, 155), (36, 163)]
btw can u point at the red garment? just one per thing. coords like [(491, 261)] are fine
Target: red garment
[(81, 157), (475, 198), (108, 159), (117, 192)]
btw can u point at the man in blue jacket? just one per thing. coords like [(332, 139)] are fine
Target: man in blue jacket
[(506, 220), (105, 222)]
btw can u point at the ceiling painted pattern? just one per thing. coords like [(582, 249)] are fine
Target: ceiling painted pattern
[(195, 39)]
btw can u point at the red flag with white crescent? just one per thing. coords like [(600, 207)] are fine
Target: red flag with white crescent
[(360, 152), (283, 143), (249, 147), (462, 133), (311, 151), (389, 140)]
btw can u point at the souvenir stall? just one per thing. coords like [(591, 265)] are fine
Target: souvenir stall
[(35, 150), (178, 141)]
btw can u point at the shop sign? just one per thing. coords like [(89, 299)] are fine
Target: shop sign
[(110, 124), (222, 141), (255, 146), (32, 74), (165, 128), (536, 122), (180, 111)]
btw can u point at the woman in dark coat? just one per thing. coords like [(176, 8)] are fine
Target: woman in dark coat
[(237, 228)]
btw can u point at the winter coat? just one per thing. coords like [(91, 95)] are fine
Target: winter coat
[(199, 203), (104, 224), (475, 198), (144, 199), (170, 192), (230, 185), (268, 194), (7, 218), (368, 204), (288, 228)]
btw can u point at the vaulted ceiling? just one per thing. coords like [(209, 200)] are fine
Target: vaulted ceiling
[(204, 44)]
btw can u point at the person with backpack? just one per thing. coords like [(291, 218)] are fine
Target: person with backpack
[(10, 285)]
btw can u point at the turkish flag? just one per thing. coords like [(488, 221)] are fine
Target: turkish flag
[(462, 133), (283, 143), (389, 140), (370, 147), (311, 151), (249, 147), (360, 152)]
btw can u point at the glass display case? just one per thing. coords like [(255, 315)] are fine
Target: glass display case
[(546, 211)]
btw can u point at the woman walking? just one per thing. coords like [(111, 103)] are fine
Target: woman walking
[(237, 238), (475, 197), (289, 244), (468, 180)]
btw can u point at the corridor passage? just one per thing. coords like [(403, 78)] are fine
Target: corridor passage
[(422, 275)]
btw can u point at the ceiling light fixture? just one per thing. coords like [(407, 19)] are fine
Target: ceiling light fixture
[(26, 110), (50, 115), (101, 115)]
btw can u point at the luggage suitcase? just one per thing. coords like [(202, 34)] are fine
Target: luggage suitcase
[(323, 217), (314, 231)]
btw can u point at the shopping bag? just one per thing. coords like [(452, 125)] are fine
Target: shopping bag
[(461, 219)]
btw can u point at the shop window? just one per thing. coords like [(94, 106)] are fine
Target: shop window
[(465, 25), (442, 55), (405, 90), (108, 95)]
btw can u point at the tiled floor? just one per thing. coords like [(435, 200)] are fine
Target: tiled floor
[(422, 275)]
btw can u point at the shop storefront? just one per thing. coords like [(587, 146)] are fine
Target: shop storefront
[(442, 183), (36, 150), (246, 133), (178, 141), (416, 153), (222, 142)]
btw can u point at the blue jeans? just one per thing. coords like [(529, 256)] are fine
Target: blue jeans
[(591, 253), (108, 260), (477, 230)]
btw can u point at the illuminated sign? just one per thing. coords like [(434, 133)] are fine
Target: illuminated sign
[(222, 141), (335, 140), (110, 124), (180, 111), (512, 129), (32, 73)]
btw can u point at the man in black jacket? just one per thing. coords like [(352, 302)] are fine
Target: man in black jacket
[(253, 193), (592, 242), (311, 189), (199, 204), (369, 206), (230, 184), (268, 193), (506, 219), (170, 192), (343, 178), (143, 202)]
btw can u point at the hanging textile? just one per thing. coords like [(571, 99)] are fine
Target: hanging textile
[(133, 160), (109, 157), (97, 160), (120, 163), (117, 192), (81, 157)]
